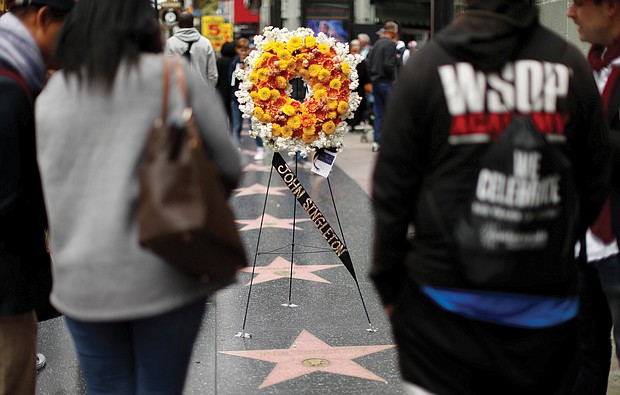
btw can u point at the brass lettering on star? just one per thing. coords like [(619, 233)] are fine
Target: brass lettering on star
[(316, 362)]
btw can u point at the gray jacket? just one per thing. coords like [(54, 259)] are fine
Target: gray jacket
[(90, 146), (202, 54)]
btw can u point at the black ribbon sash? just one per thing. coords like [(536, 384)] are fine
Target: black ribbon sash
[(319, 220)]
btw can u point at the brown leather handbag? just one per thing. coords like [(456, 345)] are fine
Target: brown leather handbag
[(183, 213)]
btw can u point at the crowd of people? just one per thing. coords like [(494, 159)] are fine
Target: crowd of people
[(80, 88)]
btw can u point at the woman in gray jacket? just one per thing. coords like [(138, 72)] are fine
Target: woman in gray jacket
[(133, 317)]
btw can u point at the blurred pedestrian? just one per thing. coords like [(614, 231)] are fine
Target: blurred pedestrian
[(454, 335), (382, 63), (365, 44), (223, 81), (242, 47), (198, 49), (599, 25), (133, 317), (363, 88), (28, 34)]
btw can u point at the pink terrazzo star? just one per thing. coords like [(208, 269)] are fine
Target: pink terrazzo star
[(281, 268), (259, 189), (310, 354), (269, 222), (255, 167)]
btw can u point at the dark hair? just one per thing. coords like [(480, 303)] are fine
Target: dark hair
[(186, 20), (99, 34), (56, 13), (242, 42)]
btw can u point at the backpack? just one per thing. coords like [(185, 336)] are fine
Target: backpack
[(186, 54), (517, 232)]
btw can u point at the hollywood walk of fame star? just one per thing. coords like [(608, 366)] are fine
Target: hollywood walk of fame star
[(269, 222), (255, 167), (310, 354), (281, 268), (259, 189)]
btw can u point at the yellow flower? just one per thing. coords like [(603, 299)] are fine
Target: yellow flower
[(304, 74), (294, 122), (288, 110), (328, 127), (254, 95), (294, 44), (258, 112), (283, 64), (263, 58), (332, 114), (323, 48), (275, 93), (264, 94), (307, 138), (278, 46), (320, 93), (262, 73), (314, 69), (281, 82), (276, 129), (254, 78), (345, 67), (335, 84), (284, 55), (286, 131), (266, 119), (332, 104), (309, 130), (317, 87), (310, 41), (323, 75), (343, 107)]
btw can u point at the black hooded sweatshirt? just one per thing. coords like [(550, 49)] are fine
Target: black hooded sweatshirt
[(493, 61)]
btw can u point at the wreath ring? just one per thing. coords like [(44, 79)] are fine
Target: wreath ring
[(327, 69)]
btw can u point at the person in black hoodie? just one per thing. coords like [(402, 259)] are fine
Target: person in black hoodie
[(494, 61)]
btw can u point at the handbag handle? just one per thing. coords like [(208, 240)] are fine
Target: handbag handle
[(164, 103), (195, 140)]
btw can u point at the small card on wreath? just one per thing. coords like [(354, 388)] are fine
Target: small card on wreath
[(323, 162)]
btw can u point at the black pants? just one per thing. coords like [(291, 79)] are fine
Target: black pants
[(594, 323), (450, 354)]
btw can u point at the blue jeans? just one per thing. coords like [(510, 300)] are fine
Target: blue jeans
[(137, 357), (237, 123), (381, 92)]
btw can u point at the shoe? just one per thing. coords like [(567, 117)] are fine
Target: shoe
[(40, 361), (260, 154), (375, 147)]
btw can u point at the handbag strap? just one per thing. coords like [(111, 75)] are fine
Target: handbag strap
[(180, 75), (164, 102), (195, 138)]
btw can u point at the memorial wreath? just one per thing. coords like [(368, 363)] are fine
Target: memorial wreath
[(329, 72)]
